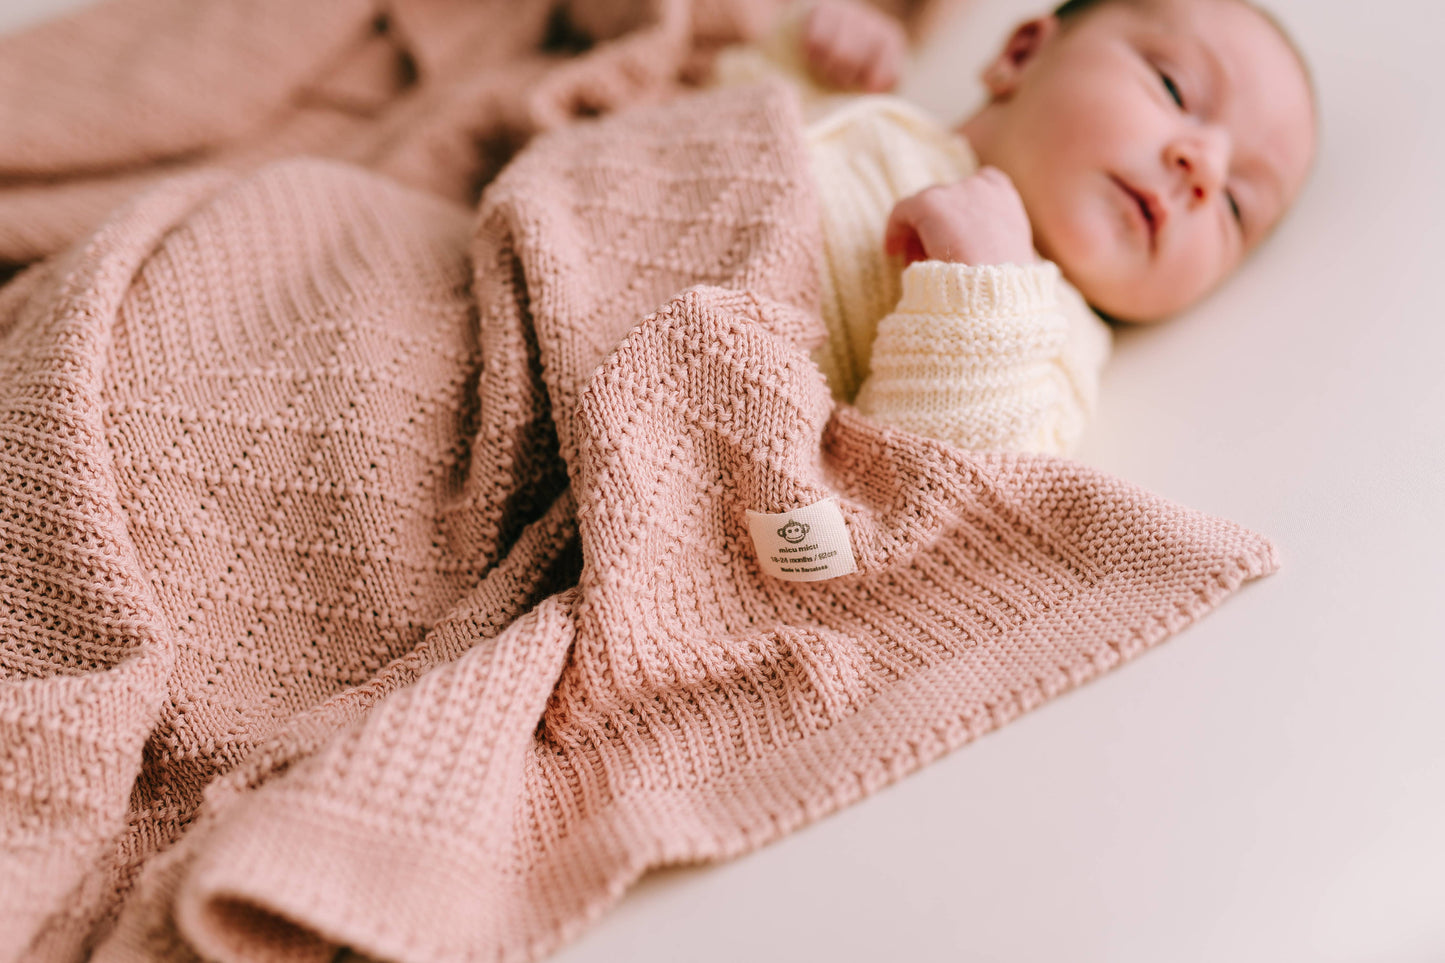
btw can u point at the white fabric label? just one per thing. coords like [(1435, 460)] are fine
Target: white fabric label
[(804, 545)]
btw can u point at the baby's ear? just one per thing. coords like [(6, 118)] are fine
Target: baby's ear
[(1001, 77)]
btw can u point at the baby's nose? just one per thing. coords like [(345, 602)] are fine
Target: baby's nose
[(1200, 160)]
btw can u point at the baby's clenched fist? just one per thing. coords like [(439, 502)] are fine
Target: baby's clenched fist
[(852, 46), (978, 220)]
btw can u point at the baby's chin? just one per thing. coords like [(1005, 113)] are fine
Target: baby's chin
[(1120, 300)]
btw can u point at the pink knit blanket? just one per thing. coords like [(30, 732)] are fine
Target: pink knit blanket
[(377, 573)]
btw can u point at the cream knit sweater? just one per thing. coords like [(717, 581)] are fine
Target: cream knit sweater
[(989, 357)]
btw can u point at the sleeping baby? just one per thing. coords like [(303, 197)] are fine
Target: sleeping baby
[(1129, 156)]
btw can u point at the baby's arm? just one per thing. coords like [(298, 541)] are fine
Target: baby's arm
[(971, 353)]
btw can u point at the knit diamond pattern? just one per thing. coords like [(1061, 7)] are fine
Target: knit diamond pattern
[(376, 574)]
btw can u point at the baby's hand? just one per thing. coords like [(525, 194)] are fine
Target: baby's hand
[(852, 46), (978, 220)]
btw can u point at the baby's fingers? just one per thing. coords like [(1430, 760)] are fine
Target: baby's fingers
[(880, 67), (846, 60), (900, 237), (826, 42), (820, 33)]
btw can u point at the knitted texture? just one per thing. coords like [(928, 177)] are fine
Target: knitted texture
[(108, 100), (371, 582), (434, 93), (867, 155), (981, 358)]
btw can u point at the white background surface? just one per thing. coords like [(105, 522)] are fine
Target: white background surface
[(1268, 786)]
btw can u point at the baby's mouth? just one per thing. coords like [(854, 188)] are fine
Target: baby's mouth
[(1148, 208)]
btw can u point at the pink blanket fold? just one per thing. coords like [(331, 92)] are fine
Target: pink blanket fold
[(111, 99), (376, 575)]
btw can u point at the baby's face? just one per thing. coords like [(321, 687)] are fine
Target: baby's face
[(1197, 111)]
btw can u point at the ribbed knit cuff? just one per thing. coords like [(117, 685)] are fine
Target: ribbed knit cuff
[(944, 287)]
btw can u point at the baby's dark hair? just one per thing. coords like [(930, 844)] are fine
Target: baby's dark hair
[(1072, 8)]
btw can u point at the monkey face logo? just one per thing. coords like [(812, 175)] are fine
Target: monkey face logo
[(793, 532)]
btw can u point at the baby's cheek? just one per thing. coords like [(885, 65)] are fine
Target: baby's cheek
[(1083, 234), (1097, 248), (1204, 264)]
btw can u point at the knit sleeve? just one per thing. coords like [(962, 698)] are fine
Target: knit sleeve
[(980, 357)]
